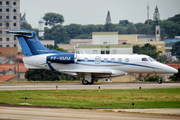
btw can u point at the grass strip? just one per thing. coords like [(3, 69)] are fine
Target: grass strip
[(147, 98)]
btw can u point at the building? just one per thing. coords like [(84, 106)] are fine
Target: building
[(47, 42), (104, 43), (9, 19), (41, 27), (78, 42), (69, 47), (106, 49), (141, 40)]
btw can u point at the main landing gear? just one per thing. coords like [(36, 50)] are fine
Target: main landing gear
[(85, 82)]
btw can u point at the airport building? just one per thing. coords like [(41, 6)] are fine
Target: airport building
[(9, 19)]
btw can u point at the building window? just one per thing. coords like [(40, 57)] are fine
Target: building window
[(0, 17), (0, 10), (102, 52), (14, 3), (7, 24), (14, 38), (7, 45), (7, 2), (14, 10), (107, 52), (7, 10), (7, 17), (0, 24), (0, 3), (15, 45), (0, 31), (0, 45), (7, 39), (0, 39), (14, 24), (14, 17)]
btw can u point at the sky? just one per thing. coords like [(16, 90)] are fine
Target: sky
[(95, 11)]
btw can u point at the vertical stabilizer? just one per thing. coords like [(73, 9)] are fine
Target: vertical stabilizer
[(30, 44)]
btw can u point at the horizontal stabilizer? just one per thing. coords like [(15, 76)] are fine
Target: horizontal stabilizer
[(24, 33)]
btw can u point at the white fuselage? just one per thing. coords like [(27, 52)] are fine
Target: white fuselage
[(118, 64)]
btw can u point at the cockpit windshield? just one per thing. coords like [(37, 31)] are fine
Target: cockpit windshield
[(151, 59), (145, 59)]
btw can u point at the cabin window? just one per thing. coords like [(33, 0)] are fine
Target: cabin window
[(97, 59), (119, 60), (112, 59), (144, 59), (127, 59), (105, 60), (85, 59)]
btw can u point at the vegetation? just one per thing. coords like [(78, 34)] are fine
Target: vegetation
[(151, 78), (62, 34), (176, 49), (46, 75), (176, 76), (147, 98), (52, 19)]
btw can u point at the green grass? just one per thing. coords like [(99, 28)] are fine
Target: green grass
[(147, 98)]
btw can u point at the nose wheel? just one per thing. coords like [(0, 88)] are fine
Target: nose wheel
[(159, 80)]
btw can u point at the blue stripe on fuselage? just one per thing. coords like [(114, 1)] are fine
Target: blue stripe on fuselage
[(122, 63)]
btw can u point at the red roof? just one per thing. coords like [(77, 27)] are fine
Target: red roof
[(174, 65), (7, 66), (5, 78)]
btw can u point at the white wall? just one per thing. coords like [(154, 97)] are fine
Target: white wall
[(101, 39)]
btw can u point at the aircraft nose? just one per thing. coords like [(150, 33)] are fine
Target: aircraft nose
[(172, 70)]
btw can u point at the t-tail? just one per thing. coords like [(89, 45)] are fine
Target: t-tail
[(30, 44)]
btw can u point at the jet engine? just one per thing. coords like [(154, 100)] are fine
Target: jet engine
[(66, 58)]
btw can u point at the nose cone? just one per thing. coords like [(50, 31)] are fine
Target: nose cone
[(171, 70)]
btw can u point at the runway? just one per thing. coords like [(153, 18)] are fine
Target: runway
[(78, 86), (72, 114), (28, 113)]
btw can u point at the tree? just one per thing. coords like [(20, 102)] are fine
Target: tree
[(176, 76), (57, 33), (52, 19), (124, 22), (26, 26), (156, 15), (108, 18), (136, 49), (175, 19), (147, 49), (73, 30), (176, 49)]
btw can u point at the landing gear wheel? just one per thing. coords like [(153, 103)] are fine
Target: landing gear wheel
[(84, 82), (159, 80), (92, 82)]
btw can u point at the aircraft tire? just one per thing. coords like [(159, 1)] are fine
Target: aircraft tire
[(159, 81), (92, 82), (84, 82)]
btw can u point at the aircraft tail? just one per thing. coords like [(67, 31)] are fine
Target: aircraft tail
[(30, 44)]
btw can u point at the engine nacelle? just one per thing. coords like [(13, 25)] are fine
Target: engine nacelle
[(66, 58)]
